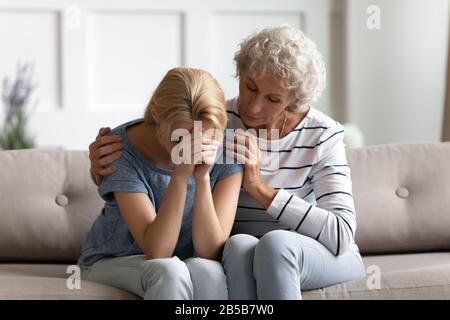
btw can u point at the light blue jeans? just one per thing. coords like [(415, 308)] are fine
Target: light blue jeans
[(282, 264), (161, 279)]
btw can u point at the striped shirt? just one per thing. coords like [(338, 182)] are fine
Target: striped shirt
[(308, 168)]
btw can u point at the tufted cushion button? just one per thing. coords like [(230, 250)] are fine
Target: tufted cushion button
[(62, 200), (402, 192)]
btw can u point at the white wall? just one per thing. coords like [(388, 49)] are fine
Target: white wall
[(97, 62), (396, 75)]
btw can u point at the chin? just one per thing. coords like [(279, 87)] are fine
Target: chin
[(252, 122)]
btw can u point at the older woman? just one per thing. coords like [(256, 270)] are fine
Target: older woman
[(296, 221), (302, 208)]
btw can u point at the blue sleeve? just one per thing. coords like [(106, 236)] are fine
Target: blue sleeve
[(128, 177), (225, 166), (226, 170)]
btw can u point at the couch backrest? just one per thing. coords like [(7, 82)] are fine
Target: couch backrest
[(47, 204), (402, 197)]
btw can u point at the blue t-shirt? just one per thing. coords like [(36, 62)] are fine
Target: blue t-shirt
[(109, 236)]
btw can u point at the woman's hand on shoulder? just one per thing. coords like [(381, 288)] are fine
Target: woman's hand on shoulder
[(102, 152), (247, 153)]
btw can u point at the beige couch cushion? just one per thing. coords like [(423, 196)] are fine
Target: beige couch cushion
[(48, 281), (47, 204), (402, 197), (405, 276)]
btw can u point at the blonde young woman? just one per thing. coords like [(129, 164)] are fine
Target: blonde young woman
[(296, 219), (162, 227)]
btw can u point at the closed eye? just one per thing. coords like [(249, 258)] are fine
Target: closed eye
[(273, 99), (251, 87)]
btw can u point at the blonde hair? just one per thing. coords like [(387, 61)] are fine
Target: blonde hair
[(186, 94), (287, 53)]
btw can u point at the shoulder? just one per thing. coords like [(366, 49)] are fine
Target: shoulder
[(315, 129), (319, 119), (128, 148), (225, 167), (231, 104), (120, 129), (232, 109), (332, 134), (128, 159), (234, 118)]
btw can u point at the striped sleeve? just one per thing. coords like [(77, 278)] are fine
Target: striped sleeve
[(332, 220)]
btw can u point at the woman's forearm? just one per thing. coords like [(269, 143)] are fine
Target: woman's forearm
[(262, 193), (162, 234), (207, 233)]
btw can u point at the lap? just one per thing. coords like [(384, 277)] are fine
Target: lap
[(318, 267), (208, 279), (207, 276), (127, 272)]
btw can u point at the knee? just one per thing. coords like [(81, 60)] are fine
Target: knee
[(275, 245), (239, 246), (205, 269), (273, 242), (166, 270)]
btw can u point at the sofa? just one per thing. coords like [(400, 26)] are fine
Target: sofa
[(401, 191)]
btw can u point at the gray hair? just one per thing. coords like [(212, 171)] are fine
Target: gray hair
[(287, 53)]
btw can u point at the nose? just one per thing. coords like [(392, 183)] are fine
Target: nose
[(255, 106)]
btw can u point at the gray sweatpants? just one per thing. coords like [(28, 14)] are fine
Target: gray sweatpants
[(163, 279), (282, 264)]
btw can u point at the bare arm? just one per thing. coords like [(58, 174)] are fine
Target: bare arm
[(214, 214), (156, 234)]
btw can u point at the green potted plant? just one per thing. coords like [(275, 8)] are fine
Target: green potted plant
[(16, 96)]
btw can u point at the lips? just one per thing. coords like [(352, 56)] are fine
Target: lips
[(253, 118)]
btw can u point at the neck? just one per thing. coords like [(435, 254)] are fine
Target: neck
[(279, 124), (285, 123)]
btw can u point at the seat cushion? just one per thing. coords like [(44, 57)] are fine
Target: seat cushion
[(403, 276), (48, 281)]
